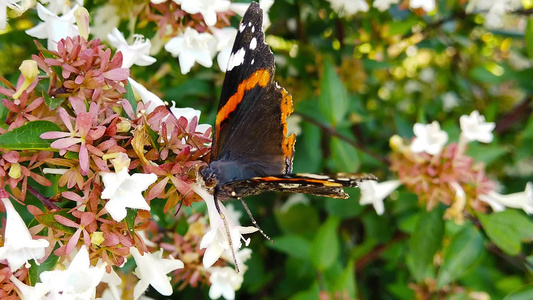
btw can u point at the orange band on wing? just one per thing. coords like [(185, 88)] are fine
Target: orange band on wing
[(260, 77), (288, 141), (323, 182)]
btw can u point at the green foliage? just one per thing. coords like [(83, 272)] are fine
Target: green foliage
[(28, 136)]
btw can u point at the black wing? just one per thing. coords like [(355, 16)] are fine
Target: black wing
[(251, 126), (320, 185)]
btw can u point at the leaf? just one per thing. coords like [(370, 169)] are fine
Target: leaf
[(130, 97), (344, 156), (37, 269), (346, 282), (425, 242), (528, 36), (463, 252), (325, 246), (506, 229), (48, 220), (333, 101), (292, 245), (523, 293), (28, 136), (130, 219)]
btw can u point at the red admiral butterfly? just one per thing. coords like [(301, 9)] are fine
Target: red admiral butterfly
[(251, 152)]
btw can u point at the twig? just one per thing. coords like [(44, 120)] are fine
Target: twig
[(43, 199), (332, 131), (361, 263), (438, 23)]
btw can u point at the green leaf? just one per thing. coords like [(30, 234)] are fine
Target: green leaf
[(154, 136), (344, 156), (47, 219), (28, 136), (425, 242), (299, 219), (37, 269), (130, 219), (346, 282), (529, 37), (333, 100), (292, 245), (507, 228), (130, 97), (463, 252), (325, 246), (523, 293)]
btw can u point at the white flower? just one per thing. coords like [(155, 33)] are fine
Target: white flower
[(449, 101), (54, 28), (106, 17), (137, 53), (374, 193), (13, 4), (224, 282), (78, 281), (348, 7), (522, 200), (494, 10), (224, 44), (27, 291), (145, 95), (240, 9), (383, 5), (152, 270), (427, 75), (429, 138), (207, 8), (124, 190), (427, 5), (60, 6), (216, 240), (189, 113), (474, 127), (113, 281), (19, 246), (190, 47)]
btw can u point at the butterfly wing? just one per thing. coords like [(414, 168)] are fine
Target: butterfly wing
[(320, 185), (251, 123)]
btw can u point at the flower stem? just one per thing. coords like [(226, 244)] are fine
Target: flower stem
[(47, 203)]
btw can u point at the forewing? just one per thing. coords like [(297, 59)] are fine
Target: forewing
[(251, 125)]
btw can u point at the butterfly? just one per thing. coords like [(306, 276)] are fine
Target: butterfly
[(251, 152)]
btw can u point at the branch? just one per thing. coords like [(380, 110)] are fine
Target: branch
[(332, 131), (438, 23), (47, 203)]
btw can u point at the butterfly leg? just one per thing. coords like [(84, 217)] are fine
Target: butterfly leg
[(254, 222), (228, 234)]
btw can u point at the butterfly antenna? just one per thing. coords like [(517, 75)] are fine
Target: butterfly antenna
[(254, 222), (226, 226)]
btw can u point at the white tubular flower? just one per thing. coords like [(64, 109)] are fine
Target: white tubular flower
[(54, 28), (60, 6), (152, 270), (78, 281), (216, 241), (374, 193), (189, 113), (207, 8), (521, 200), (427, 5), (145, 95), (224, 282), (19, 246), (224, 43), (429, 138), (190, 47), (27, 291), (240, 9), (105, 18), (18, 5), (136, 53), (348, 7), (383, 5), (474, 128), (124, 190)]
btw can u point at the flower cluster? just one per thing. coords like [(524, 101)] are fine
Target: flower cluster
[(441, 173)]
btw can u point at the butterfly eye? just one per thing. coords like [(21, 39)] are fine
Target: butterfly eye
[(210, 182)]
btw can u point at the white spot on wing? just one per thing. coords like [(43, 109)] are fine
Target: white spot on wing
[(253, 44), (289, 185), (236, 59), (242, 27), (253, 29), (253, 60), (314, 176), (249, 24)]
